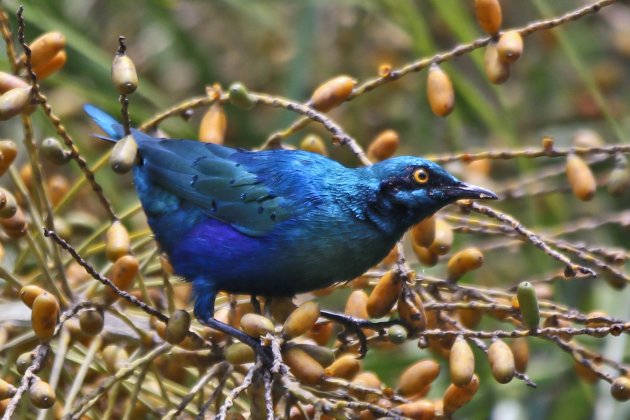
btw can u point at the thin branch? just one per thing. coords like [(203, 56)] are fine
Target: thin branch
[(339, 135), (199, 385), (56, 122), (445, 56), (236, 391), (571, 268), (41, 353)]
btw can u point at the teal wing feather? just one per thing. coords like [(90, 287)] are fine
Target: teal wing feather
[(208, 176)]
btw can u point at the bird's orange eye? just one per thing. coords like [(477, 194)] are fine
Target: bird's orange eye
[(421, 176)]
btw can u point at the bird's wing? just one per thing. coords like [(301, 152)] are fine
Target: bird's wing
[(206, 175), (107, 123)]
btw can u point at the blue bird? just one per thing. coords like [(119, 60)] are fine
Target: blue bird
[(276, 222)]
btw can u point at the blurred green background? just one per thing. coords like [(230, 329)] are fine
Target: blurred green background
[(572, 78)]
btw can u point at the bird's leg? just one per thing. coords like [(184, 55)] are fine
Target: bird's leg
[(353, 325), (262, 352), (205, 293), (256, 305)]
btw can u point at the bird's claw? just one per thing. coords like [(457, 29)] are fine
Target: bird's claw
[(351, 326), (356, 326), (263, 353)]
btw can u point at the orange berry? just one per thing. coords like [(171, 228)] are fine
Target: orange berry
[(423, 232), (45, 47), (489, 16), (213, 125), (116, 241), (51, 66), (440, 91), (417, 377), (580, 178), (332, 93), (456, 397), (384, 295), (304, 367), (464, 261), (123, 273), (383, 146), (346, 367)]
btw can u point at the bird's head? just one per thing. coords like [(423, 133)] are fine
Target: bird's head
[(417, 187)]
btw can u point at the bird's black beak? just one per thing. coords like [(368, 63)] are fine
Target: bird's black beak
[(462, 190)]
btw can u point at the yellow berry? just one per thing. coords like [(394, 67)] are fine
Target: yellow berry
[(177, 327), (301, 320), (52, 150), (41, 394), (497, 71), (14, 102), (239, 353), (124, 75), (314, 144), (91, 321), (510, 46), (44, 316), (123, 155), (8, 204), (620, 389), (9, 81), (501, 361), (116, 241), (323, 355), (461, 362), (256, 325)]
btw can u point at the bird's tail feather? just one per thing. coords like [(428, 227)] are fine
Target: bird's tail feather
[(106, 122)]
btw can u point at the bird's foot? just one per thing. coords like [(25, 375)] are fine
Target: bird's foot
[(355, 326), (263, 353)]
